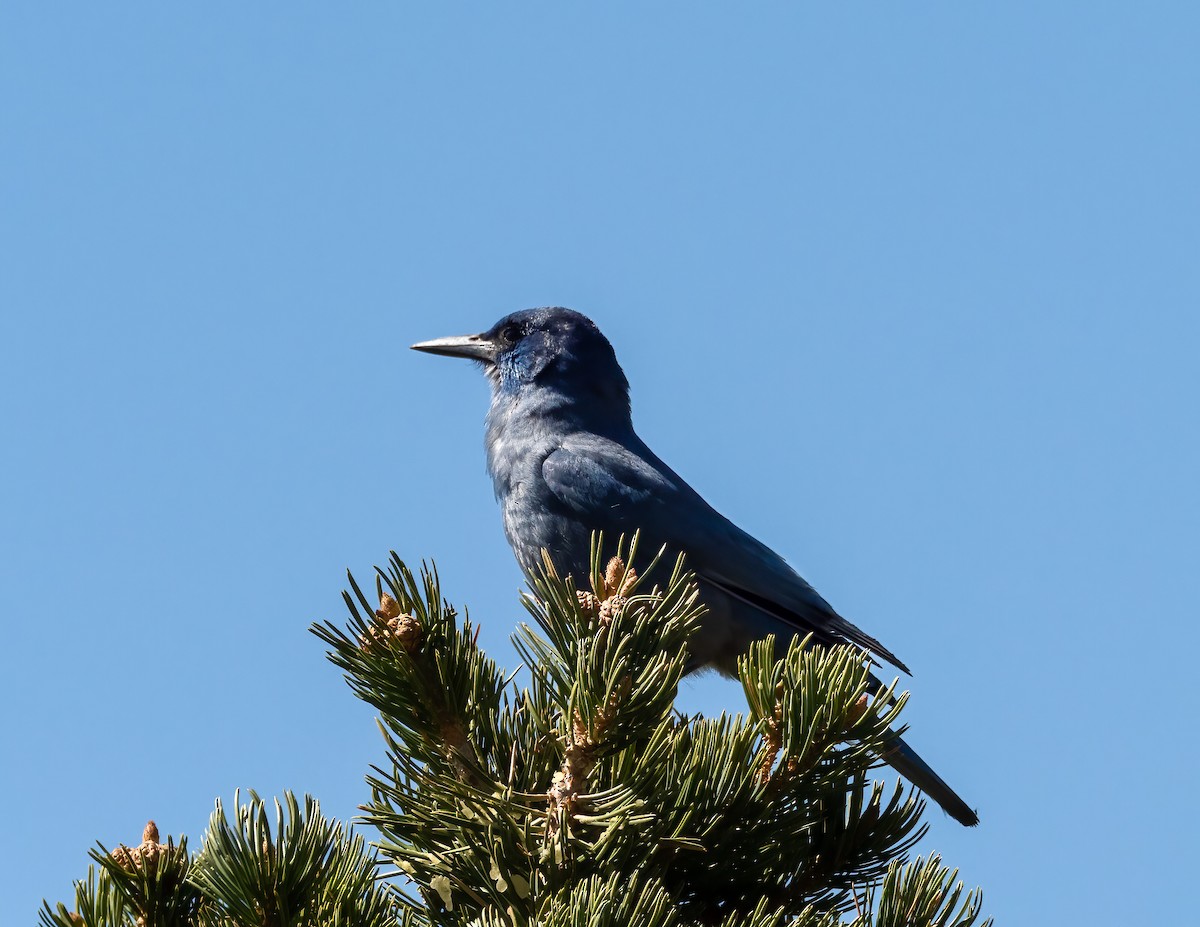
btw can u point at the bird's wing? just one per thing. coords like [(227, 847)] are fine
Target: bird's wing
[(615, 488), (606, 484)]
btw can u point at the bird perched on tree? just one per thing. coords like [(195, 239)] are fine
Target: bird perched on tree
[(565, 462)]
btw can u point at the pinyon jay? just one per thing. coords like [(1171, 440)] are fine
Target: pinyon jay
[(565, 462)]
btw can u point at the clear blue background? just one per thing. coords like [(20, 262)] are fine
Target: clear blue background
[(908, 290)]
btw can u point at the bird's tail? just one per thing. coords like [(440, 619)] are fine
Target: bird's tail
[(906, 761)]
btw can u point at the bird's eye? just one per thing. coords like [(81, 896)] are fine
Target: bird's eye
[(512, 333)]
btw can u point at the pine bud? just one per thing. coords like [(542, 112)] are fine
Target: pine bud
[(618, 580), (388, 607), (857, 711), (144, 856), (612, 576)]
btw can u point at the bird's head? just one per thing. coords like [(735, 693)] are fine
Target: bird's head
[(552, 351)]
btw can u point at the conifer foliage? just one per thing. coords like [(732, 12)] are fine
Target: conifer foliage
[(305, 871), (573, 795)]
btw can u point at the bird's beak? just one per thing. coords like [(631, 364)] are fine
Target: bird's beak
[(475, 347)]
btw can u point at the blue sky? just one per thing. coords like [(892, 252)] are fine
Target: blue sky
[(909, 291)]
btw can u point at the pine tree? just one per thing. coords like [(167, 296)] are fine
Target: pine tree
[(580, 798)]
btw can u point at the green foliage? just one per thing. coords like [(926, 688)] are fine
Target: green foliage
[(153, 879), (305, 873), (925, 892), (98, 903), (581, 799), (634, 900)]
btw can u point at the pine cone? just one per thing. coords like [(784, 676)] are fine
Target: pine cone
[(391, 623), (589, 604), (611, 607)]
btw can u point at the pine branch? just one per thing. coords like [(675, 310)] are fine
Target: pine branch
[(924, 893), (436, 691), (587, 772), (306, 872), (152, 880), (303, 871), (97, 904)]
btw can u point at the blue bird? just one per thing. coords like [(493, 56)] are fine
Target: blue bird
[(565, 461)]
